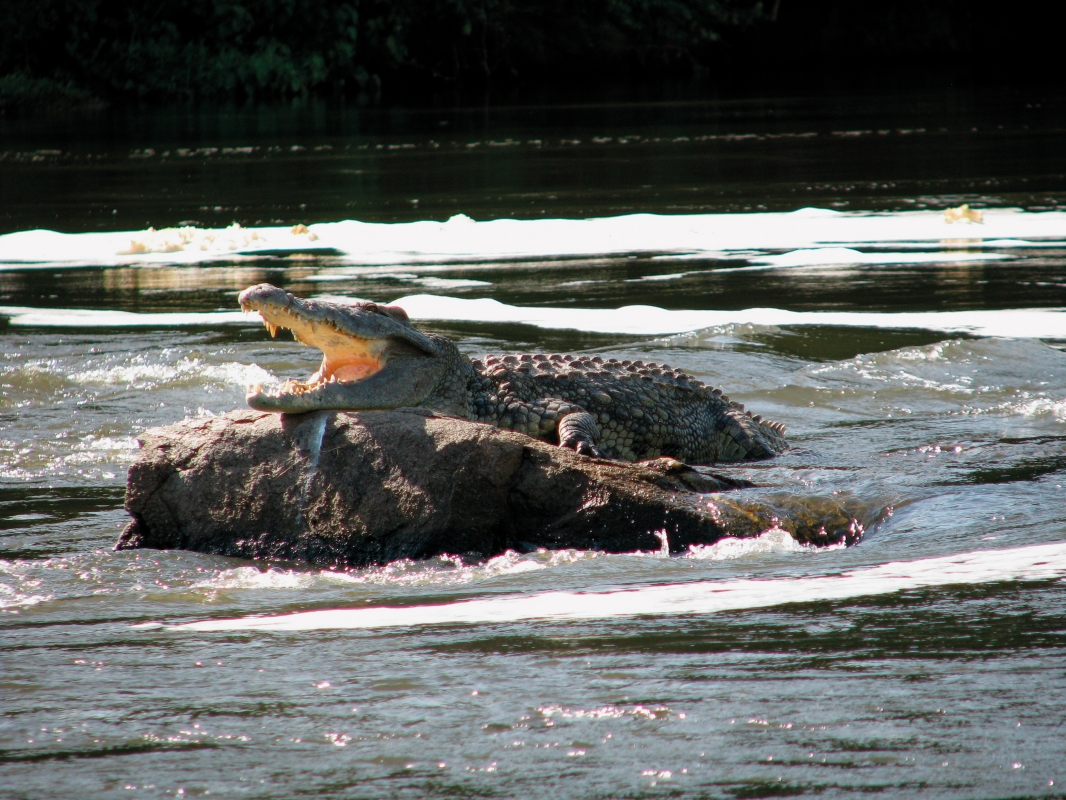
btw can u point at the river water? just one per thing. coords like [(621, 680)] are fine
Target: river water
[(794, 251)]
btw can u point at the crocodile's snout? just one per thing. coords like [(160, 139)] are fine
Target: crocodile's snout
[(265, 298), (261, 294)]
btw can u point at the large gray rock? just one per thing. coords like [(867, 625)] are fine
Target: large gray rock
[(345, 488)]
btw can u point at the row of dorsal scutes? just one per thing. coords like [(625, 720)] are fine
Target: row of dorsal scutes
[(776, 427), (497, 366)]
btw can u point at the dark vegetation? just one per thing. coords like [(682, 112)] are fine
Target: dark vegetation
[(70, 52)]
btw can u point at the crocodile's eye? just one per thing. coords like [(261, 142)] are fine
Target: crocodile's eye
[(395, 312)]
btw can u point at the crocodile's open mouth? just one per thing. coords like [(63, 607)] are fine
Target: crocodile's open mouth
[(371, 356), (345, 358)]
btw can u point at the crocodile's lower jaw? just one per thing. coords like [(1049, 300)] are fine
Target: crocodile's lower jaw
[(293, 396), (288, 388)]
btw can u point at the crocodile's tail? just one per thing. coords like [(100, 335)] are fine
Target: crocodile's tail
[(749, 436), (774, 433)]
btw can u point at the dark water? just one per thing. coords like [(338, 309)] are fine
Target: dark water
[(957, 442), (318, 162)]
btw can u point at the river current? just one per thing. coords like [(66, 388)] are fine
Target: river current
[(887, 278)]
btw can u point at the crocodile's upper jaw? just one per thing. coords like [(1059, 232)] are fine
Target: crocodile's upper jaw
[(356, 343)]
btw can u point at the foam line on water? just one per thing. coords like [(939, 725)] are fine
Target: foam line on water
[(835, 256), (461, 239), (1038, 562), (1039, 323), (1043, 323), (24, 316), (828, 256)]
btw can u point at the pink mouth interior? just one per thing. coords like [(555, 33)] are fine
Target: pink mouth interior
[(353, 370)]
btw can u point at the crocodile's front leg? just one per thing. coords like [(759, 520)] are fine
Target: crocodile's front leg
[(579, 431)]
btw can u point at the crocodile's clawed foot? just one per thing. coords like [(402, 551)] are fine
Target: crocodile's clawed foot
[(668, 464), (578, 431), (586, 448)]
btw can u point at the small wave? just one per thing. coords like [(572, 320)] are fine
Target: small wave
[(16, 597), (145, 374), (989, 375), (105, 446), (829, 256), (775, 540), (674, 276), (381, 273), (91, 457), (1038, 562), (12, 600), (450, 283), (1026, 407), (440, 571), (649, 712), (253, 578)]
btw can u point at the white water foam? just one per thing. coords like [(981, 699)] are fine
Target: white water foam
[(1041, 323), (446, 571), (20, 593), (461, 239), (840, 257), (774, 540), (1038, 323), (1038, 562), (142, 374), (1026, 407), (12, 600), (252, 578), (29, 317), (827, 256)]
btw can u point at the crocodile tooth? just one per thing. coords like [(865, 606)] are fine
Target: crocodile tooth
[(332, 378), (271, 327)]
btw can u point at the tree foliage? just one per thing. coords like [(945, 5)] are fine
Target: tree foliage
[(278, 48), (234, 49)]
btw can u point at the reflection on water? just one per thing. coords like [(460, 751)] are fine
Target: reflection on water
[(289, 166), (803, 680)]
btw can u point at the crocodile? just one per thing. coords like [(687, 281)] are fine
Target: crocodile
[(374, 358)]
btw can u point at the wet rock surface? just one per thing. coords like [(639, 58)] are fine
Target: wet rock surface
[(358, 488)]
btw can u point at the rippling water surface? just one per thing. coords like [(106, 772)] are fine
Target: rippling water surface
[(926, 660)]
